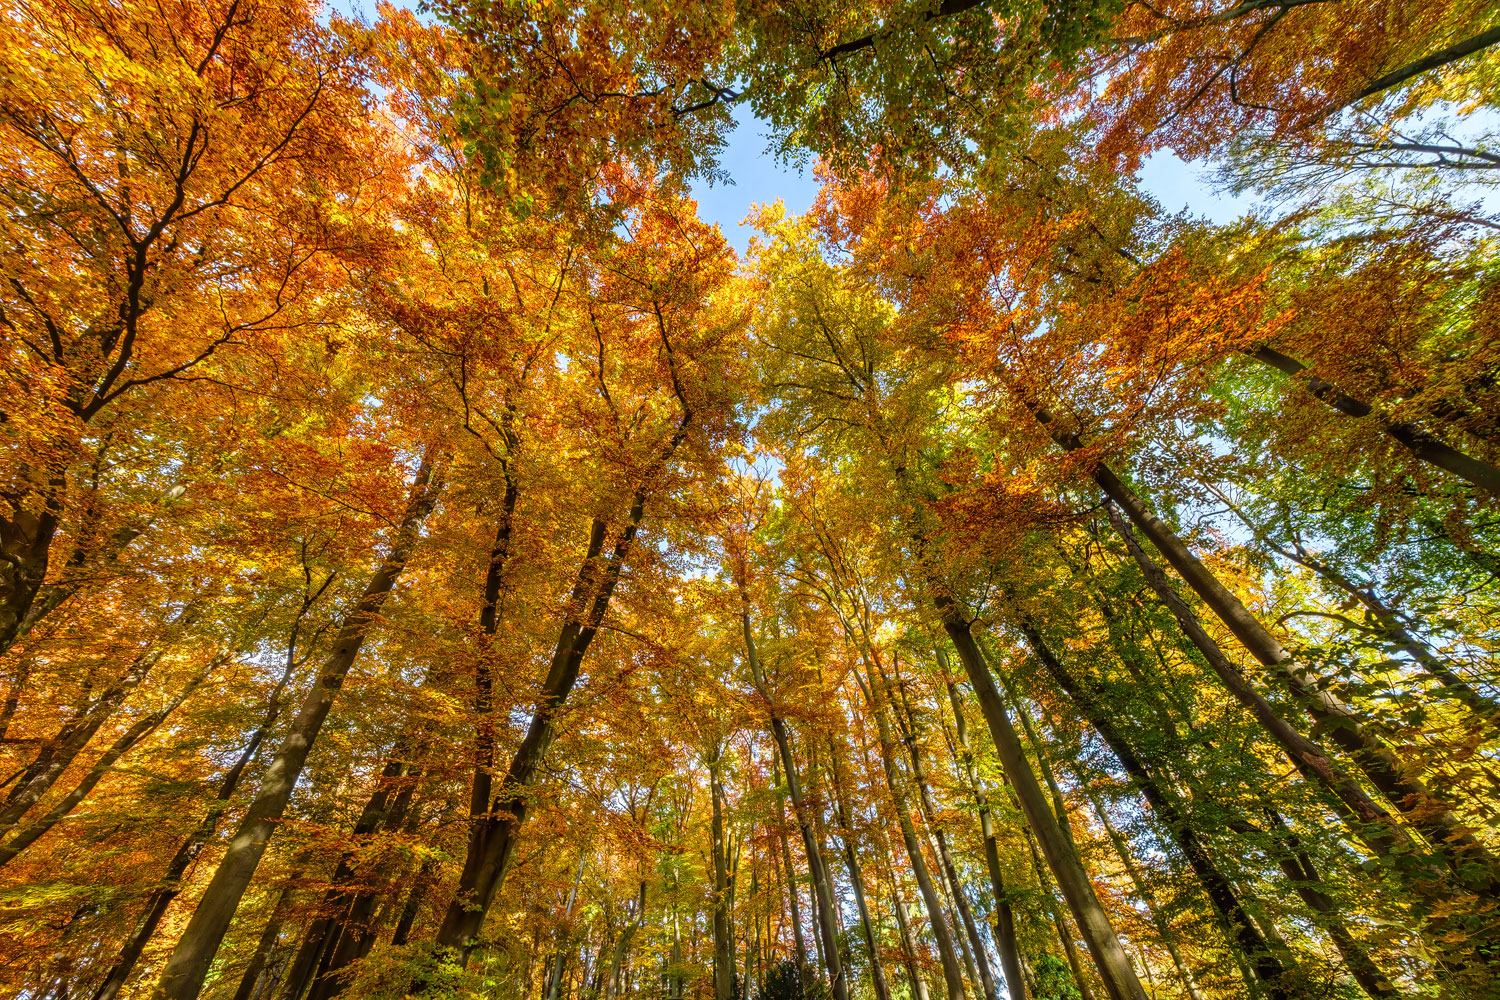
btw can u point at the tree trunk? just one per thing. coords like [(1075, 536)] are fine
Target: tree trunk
[(856, 876), (250, 978), (184, 973), (1471, 863), (1005, 920), (1143, 889), (1109, 957), (723, 932), (877, 697), (1303, 877), (58, 753), (791, 874), (166, 891), (822, 890), (1417, 441), (122, 745), (1269, 972), (975, 951)]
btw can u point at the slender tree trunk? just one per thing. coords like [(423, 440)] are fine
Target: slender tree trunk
[(250, 978), (822, 890), (1005, 921), (183, 976), (1059, 923), (58, 753), (1109, 956), (723, 932), (1471, 863), (1268, 969), (974, 950), (1417, 441), (856, 876), (791, 874), (1303, 877), (1143, 889), (878, 697), (162, 896)]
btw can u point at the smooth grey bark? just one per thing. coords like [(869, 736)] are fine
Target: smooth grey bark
[(182, 977), (1115, 969), (878, 698), (822, 890), (1005, 921), (856, 875)]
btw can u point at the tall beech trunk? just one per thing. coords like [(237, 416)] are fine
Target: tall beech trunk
[(166, 891), (1005, 920), (123, 744), (723, 898), (791, 873), (560, 957), (250, 978), (1268, 969), (918, 986), (1473, 866), (975, 951), (1144, 891), (183, 975), (493, 834), (322, 933), (822, 890), (1059, 922), (1109, 956), (1303, 877), (856, 875), (350, 920), (1417, 441), (877, 697), (1389, 624)]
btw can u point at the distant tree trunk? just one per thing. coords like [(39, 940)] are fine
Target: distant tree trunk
[(723, 931), (1144, 891), (142, 728), (183, 976), (1005, 920), (822, 890), (856, 877), (1059, 922), (1109, 956), (1470, 861), (250, 978), (1304, 879), (58, 753), (800, 959), (166, 891), (1417, 441), (878, 698), (1268, 969), (974, 952)]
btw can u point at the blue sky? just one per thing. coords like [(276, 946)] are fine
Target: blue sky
[(760, 179)]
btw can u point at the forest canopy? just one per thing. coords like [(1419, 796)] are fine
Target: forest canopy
[(435, 563)]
